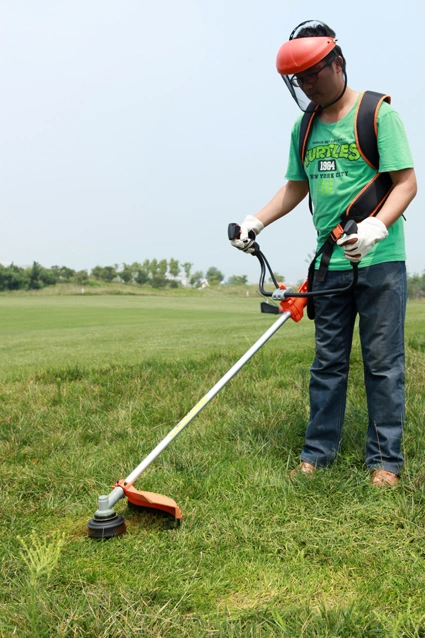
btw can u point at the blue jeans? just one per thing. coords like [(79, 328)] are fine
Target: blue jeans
[(379, 298)]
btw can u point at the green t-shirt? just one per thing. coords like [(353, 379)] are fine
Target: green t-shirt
[(336, 173)]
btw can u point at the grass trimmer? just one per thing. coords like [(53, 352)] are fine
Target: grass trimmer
[(106, 522)]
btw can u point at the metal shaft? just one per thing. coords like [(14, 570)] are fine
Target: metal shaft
[(118, 492)]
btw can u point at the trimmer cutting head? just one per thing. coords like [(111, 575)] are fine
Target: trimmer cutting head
[(99, 527), (106, 523)]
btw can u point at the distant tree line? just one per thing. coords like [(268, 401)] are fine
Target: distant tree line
[(36, 276), (155, 273), (416, 286)]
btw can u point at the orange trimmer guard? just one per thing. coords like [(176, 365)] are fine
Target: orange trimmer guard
[(149, 499)]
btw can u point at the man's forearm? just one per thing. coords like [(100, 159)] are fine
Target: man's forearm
[(285, 200), (403, 192)]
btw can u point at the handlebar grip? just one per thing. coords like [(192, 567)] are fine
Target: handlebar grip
[(350, 227), (234, 230)]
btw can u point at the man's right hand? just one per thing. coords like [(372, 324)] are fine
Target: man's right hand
[(250, 223)]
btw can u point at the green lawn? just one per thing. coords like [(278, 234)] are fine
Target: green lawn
[(41, 332), (89, 385)]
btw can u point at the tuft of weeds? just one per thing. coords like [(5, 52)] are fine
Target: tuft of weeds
[(40, 556)]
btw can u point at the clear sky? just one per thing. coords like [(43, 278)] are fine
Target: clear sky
[(137, 129)]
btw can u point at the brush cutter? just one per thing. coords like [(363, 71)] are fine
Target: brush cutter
[(105, 522)]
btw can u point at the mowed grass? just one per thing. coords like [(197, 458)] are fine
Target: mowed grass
[(89, 385), (41, 332)]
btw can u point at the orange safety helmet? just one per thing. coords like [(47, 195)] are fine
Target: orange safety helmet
[(298, 55)]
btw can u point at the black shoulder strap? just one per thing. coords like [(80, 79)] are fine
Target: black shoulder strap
[(371, 198), (305, 128), (366, 126), (306, 122)]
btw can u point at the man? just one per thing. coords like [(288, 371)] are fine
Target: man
[(379, 297)]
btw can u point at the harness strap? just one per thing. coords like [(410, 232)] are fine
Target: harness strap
[(366, 125), (305, 128), (371, 198), (368, 203), (373, 195)]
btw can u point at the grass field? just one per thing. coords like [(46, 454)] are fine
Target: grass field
[(90, 384)]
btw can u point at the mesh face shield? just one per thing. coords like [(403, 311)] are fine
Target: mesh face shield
[(302, 101), (301, 53)]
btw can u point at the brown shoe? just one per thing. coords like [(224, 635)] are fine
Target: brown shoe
[(302, 468), (383, 478)]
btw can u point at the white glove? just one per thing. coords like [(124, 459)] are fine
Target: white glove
[(244, 242), (369, 232)]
